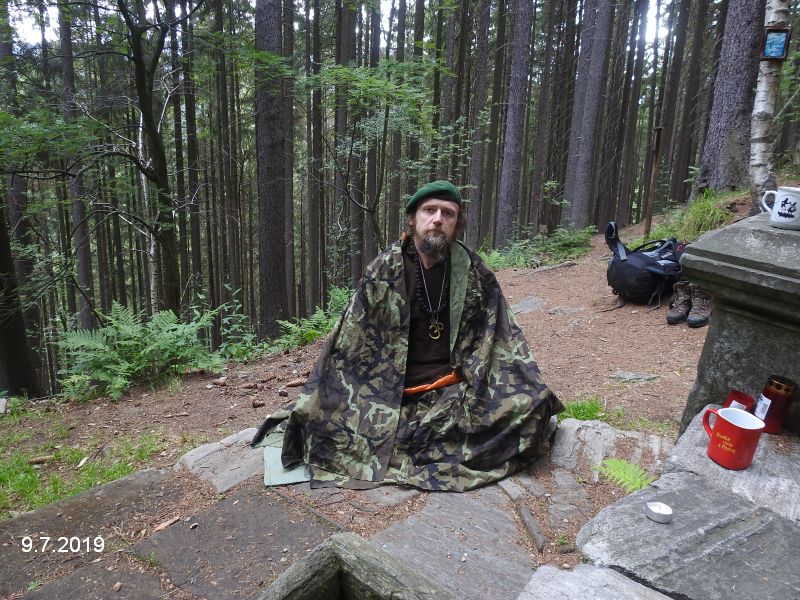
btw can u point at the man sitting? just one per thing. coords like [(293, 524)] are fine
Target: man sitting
[(427, 379)]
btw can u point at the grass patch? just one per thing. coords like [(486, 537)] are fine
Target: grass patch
[(628, 476), (584, 410), (704, 213), (537, 251), (24, 486)]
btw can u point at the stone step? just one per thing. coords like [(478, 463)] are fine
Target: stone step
[(718, 545), (467, 543), (584, 582)]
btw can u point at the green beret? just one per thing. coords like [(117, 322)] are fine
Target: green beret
[(443, 190)]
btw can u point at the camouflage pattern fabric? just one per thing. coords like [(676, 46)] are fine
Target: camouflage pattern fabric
[(351, 424)]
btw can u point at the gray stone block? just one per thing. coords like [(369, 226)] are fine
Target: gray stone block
[(3, 405), (584, 582), (467, 543), (717, 545), (529, 483), (582, 445), (532, 526), (226, 463), (513, 491), (772, 481), (528, 305), (390, 495), (347, 566), (96, 582), (750, 269)]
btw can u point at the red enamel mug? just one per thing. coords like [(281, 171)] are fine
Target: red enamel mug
[(734, 437)]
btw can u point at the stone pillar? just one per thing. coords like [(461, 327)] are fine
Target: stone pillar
[(752, 270)]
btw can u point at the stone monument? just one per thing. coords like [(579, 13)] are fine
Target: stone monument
[(752, 270)]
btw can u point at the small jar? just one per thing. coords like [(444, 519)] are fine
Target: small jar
[(737, 399), (773, 403)]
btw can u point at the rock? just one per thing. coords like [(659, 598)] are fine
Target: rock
[(390, 495), (477, 522), (528, 305), (772, 481), (227, 462), (530, 484), (514, 491), (583, 582), (283, 393), (582, 445), (629, 376), (258, 403), (220, 381), (348, 566), (532, 526), (718, 545), (3, 406)]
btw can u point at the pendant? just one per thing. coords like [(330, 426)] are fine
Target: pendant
[(435, 329)]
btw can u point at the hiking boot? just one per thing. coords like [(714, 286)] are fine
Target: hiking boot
[(701, 308), (680, 304)]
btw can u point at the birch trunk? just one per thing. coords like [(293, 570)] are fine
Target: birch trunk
[(762, 125)]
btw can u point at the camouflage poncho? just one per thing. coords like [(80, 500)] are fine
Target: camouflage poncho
[(351, 426)]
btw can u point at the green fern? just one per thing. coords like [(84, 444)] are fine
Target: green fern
[(626, 475), (306, 330)]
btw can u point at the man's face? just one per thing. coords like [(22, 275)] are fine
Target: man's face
[(434, 224)]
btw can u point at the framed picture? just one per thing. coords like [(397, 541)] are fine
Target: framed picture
[(775, 45)]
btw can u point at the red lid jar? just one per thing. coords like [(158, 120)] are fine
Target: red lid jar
[(773, 403)]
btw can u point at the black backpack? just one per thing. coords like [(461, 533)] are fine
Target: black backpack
[(643, 274)]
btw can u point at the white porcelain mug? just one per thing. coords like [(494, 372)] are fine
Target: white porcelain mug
[(785, 209)]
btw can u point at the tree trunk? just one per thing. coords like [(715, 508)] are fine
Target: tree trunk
[(578, 185), (270, 156), (394, 204), (474, 193), (508, 196), (372, 227), (288, 108), (725, 161), (762, 136), (80, 230)]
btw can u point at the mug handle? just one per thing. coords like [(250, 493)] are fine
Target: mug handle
[(764, 200), (706, 417)]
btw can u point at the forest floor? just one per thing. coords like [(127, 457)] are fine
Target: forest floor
[(627, 358)]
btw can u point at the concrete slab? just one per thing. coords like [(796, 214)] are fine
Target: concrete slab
[(3, 405), (772, 481), (717, 545), (102, 511), (96, 582), (237, 546), (226, 463), (584, 582), (467, 543), (582, 445)]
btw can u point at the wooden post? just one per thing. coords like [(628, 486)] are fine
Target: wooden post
[(654, 173)]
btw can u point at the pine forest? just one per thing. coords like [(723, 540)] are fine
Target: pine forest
[(216, 169)]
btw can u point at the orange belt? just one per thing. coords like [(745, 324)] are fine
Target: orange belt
[(449, 379)]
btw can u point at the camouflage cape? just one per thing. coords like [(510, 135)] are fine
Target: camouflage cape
[(350, 421)]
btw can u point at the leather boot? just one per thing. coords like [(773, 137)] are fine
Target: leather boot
[(701, 308), (681, 303)]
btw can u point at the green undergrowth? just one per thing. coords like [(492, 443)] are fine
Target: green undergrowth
[(303, 331), (687, 223), (588, 409), (538, 251), (63, 470), (626, 475)]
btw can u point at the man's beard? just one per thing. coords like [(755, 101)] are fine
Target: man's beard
[(434, 244)]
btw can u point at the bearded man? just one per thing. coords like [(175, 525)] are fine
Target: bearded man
[(427, 379)]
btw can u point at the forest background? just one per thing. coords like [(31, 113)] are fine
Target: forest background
[(212, 168)]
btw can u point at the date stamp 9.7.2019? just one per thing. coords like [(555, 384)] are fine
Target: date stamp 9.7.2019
[(43, 544)]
